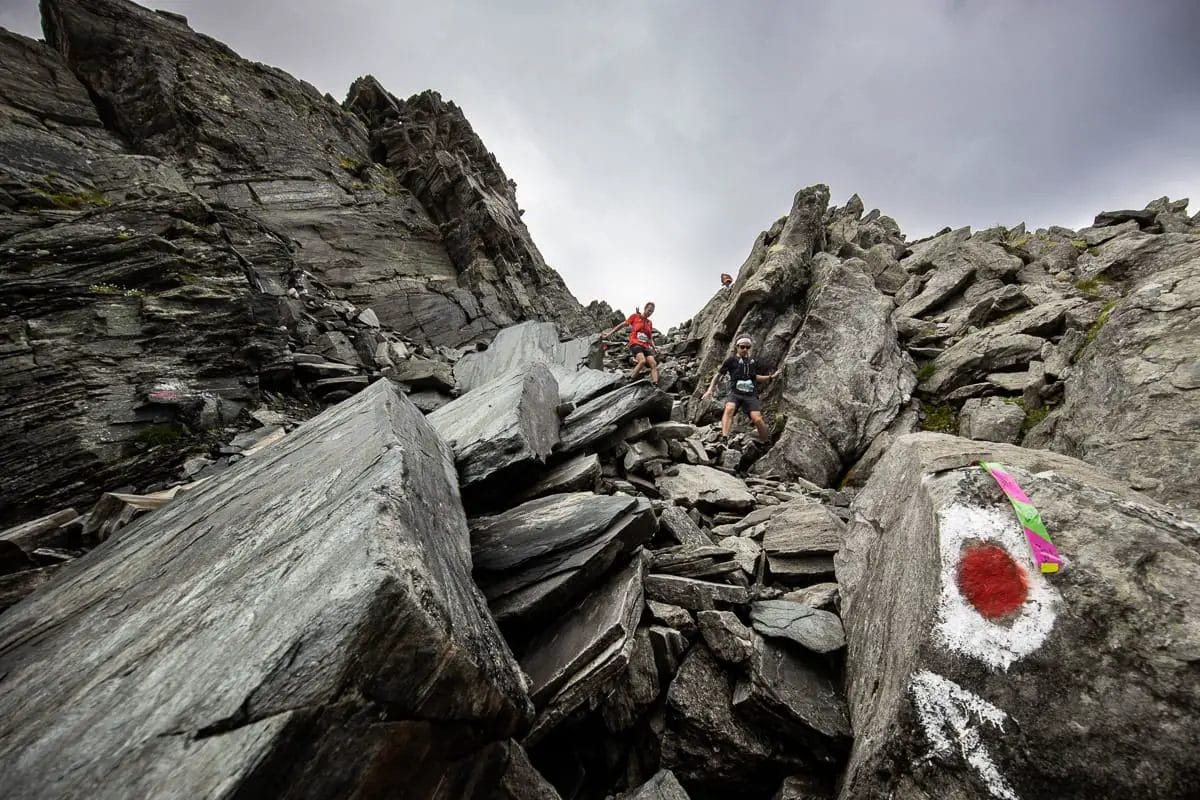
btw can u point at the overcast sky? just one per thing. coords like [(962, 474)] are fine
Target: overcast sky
[(651, 141)]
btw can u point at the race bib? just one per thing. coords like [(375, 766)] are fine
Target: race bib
[(744, 386), (642, 337)]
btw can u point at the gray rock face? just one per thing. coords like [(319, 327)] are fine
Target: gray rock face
[(707, 488), (200, 698), (707, 744), (115, 279), (546, 554), (725, 635), (949, 657), (844, 376), (521, 781), (578, 474), (501, 276), (795, 697), (801, 535), (604, 415), (663, 786), (570, 661), (1132, 403), (514, 349), (693, 594), (819, 631), (990, 419), (507, 425), (682, 528)]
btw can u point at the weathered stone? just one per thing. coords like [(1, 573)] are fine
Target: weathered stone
[(671, 430), (428, 401), (707, 744), (802, 787), (546, 554), (820, 595), (16, 586), (795, 696), (631, 692), (964, 670), (819, 631), (641, 453), (1131, 402), (514, 349), (578, 386), (572, 659), (663, 786), (978, 354), (506, 426), (42, 532), (693, 562), (605, 415), (725, 635), (804, 527), (424, 373), (1093, 237), (990, 419), (672, 616), (578, 474), (521, 781), (746, 551), (800, 570), (693, 594), (845, 352), (201, 699), (706, 488)]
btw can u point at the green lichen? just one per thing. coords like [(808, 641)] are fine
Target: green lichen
[(925, 372), (124, 236), (161, 435), (348, 164), (1094, 331), (1033, 418), (74, 201), (111, 290), (939, 418)]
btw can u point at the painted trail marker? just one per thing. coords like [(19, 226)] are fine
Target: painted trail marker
[(947, 713), (1045, 554)]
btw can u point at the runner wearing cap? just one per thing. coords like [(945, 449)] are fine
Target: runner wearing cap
[(742, 370)]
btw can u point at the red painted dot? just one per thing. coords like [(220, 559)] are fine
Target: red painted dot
[(991, 581)]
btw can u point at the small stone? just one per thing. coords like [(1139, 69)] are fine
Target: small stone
[(819, 631), (726, 636)]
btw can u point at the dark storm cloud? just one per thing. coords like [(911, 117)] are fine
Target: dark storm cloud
[(652, 141)]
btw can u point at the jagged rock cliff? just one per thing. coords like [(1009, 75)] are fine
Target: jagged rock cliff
[(486, 571), (177, 221)]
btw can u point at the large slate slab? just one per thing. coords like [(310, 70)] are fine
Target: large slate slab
[(569, 661), (544, 555), (604, 415), (803, 527), (518, 346), (506, 425), (303, 621), (957, 647)]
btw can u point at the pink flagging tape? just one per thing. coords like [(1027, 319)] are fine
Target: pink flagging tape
[(1045, 554)]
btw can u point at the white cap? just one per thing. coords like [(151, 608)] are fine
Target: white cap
[(744, 340)]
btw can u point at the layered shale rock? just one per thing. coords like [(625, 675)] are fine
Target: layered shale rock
[(304, 624)]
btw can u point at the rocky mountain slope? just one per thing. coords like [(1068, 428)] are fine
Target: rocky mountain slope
[(171, 216), (358, 535)]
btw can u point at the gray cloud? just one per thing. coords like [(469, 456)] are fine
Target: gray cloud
[(652, 141)]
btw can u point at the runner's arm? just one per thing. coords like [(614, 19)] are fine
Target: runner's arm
[(614, 329), (771, 377), (713, 383)]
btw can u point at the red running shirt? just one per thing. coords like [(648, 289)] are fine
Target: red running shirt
[(641, 332)]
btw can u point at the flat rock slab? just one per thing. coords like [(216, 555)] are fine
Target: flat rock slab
[(706, 488), (569, 661), (605, 415), (544, 555), (513, 350), (507, 425), (578, 474), (795, 696), (693, 594), (725, 635), (958, 647), (578, 386), (228, 640), (801, 528), (819, 631)]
